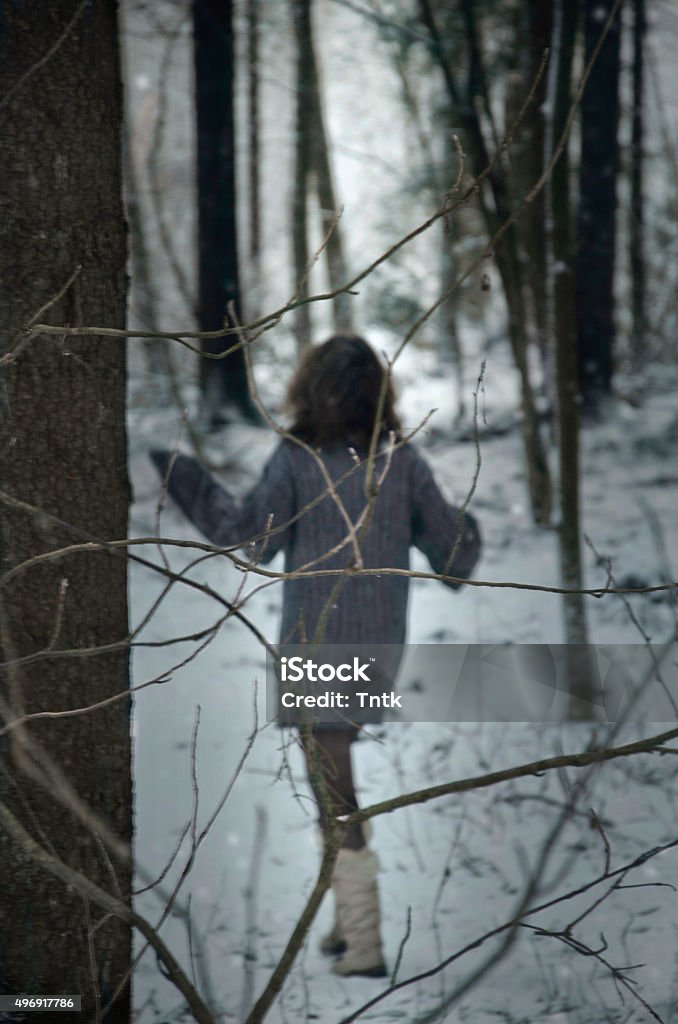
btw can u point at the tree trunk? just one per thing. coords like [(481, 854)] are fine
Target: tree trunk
[(336, 261), (538, 474), (527, 164), (561, 293), (597, 209), (64, 451), (540, 26), (224, 381), (253, 155), (142, 275), (146, 305), (303, 161), (637, 227), (449, 328), (313, 155)]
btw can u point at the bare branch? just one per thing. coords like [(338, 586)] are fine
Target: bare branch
[(598, 755)]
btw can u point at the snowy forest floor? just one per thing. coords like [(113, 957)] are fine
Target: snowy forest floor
[(458, 866)]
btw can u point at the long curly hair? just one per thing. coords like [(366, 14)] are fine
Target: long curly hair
[(334, 394)]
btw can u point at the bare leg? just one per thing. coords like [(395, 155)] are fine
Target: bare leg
[(332, 751)]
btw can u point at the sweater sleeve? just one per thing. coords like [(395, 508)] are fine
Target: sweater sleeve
[(262, 517), (436, 528)]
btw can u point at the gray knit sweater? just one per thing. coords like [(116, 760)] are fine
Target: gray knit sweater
[(409, 511)]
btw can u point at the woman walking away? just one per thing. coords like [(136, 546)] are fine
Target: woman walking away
[(338, 393)]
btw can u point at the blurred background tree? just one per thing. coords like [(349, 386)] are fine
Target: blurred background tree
[(224, 380)]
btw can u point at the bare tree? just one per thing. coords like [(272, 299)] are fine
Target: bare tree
[(637, 211), (596, 223), (303, 162), (224, 380), (253, 149), (527, 162), (312, 165), (561, 292)]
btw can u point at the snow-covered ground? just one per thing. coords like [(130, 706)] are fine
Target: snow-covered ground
[(459, 864)]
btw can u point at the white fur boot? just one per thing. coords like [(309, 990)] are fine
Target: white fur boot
[(333, 942), (357, 914)]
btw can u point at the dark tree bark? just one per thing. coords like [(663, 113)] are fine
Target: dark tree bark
[(527, 164), (303, 162), (637, 226), (253, 150), (561, 288), (253, 98), (252, 297), (63, 450), (224, 381), (597, 208)]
